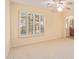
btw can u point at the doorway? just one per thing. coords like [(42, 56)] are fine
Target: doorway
[(69, 26)]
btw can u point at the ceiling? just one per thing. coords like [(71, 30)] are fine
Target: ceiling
[(38, 3), (41, 3)]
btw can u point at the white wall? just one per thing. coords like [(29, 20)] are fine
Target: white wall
[(53, 28), (7, 25)]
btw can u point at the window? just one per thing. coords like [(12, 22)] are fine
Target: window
[(31, 24)]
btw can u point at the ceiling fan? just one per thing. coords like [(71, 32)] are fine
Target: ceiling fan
[(59, 5)]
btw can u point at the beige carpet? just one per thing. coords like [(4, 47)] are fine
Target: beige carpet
[(54, 49)]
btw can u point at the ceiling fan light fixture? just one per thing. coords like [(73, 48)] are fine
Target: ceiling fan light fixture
[(59, 9)]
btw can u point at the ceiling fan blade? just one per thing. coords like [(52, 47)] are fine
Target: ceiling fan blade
[(69, 3), (68, 8)]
